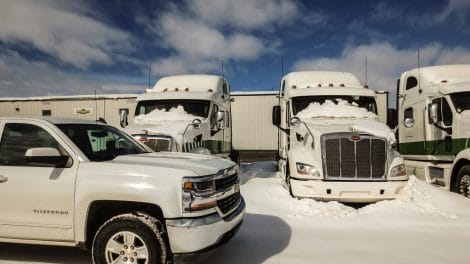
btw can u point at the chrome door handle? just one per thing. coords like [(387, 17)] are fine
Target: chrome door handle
[(3, 179)]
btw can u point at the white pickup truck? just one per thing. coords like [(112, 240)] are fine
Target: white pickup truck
[(87, 184)]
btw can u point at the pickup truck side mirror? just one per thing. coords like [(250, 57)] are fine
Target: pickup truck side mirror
[(433, 113), (276, 115), (123, 118), (49, 157)]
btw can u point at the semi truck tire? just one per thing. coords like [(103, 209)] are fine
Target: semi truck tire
[(462, 182)]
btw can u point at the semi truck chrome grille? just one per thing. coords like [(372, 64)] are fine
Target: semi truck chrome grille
[(348, 159), (229, 202), (223, 184)]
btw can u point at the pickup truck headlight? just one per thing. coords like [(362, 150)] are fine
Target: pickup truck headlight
[(197, 193), (307, 170), (398, 171)]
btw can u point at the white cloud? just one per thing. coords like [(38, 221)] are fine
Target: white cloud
[(20, 77), (245, 14), (385, 62), (65, 34)]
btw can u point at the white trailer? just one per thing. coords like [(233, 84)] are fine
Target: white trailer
[(434, 105), (331, 145)]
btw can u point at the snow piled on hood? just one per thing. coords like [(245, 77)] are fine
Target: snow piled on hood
[(172, 122), (341, 109), (157, 115), (374, 128)]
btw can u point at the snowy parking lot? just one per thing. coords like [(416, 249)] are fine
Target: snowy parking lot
[(424, 225)]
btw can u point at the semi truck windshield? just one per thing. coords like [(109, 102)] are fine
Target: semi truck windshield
[(461, 101), (193, 107), (367, 102)]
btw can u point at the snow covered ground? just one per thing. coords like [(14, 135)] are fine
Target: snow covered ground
[(424, 225)]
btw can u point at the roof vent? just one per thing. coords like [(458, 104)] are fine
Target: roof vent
[(176, 89), (186, 89), (209, 90), (366, 87), (444, 81), (341, 85), (330, 85), (294, 87), (164, 90), (319, 85)]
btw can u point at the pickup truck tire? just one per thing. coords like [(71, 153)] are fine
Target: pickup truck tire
[(130, 238), (462, 182)]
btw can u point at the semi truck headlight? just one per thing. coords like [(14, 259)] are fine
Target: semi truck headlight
[(307, 170), (398, 171)]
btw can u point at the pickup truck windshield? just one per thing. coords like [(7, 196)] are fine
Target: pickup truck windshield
[(193, 107), (101, 142), (302, 102), (461, 101)]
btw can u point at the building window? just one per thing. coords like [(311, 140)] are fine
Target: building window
[(46, 112)]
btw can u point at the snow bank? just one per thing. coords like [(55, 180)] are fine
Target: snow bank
[(341, 109), (158, 115)]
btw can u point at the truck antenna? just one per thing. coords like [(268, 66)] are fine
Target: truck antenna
[(96, 110), (150, 67), (223, 76), (282, 66), (366, 70), (419, 76)]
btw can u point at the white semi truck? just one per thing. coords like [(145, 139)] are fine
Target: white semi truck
[(434, 106), (81, 183), (185, 113), (331, 145)]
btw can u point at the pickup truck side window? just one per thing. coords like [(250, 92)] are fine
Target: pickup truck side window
[(18, 138), (411, 82)]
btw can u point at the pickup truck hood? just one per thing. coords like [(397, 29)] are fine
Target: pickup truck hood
[(322, 126), (199, 164)]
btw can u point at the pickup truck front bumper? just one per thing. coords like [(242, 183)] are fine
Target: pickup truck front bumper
[(347, 191), (197, 235)]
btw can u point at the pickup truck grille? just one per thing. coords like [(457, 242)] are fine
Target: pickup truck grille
[(345, 159), (229, 202), (224, 183)]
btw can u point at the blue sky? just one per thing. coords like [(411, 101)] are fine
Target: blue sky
[(76, 47)]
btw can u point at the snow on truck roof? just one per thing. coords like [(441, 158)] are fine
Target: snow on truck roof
[(194, 82), (307, 79), (445, 74)]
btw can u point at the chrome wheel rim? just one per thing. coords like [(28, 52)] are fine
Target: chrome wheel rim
[(464, 186), (126, 247)]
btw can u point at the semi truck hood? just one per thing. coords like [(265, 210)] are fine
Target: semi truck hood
[(173, 128), (199, 164), (320, 126)]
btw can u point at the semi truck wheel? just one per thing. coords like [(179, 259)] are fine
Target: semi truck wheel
[(130, 238), (462, 182)]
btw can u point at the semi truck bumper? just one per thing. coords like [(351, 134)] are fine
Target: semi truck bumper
[(199, 235), (351, 192)]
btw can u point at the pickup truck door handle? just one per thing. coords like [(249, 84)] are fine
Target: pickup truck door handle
[(3, 179)]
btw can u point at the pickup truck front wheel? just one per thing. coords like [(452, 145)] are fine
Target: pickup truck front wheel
[(130, 238)]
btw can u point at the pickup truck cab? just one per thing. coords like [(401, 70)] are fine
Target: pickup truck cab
[(87, 184)]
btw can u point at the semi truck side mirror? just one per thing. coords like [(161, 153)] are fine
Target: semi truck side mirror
[(196, 123), (294, 121), (123, 118), (276, 115), (220, 117), (409, 122), (433, 113)]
